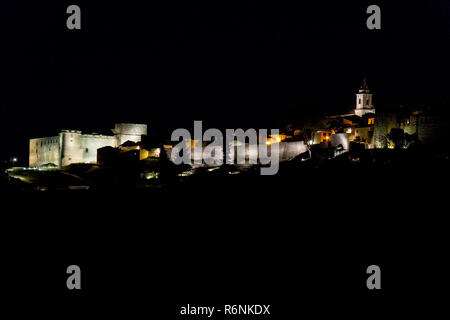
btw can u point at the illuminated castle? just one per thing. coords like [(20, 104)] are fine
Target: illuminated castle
[(73, 146)]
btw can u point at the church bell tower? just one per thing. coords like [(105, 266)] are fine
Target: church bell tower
[(364, 100)]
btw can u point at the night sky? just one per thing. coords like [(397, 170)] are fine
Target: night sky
[(229, 63)]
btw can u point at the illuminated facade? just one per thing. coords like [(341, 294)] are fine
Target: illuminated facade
[(73, 146), (364, 101), (401, 127), (358, 125)]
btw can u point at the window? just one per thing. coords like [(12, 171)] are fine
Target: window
[(371, 121), (87, 150), (359, 101), (367, 102)]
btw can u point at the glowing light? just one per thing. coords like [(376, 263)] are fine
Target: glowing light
[(278, 139), (268, 142), (349, 130), (151, 175)]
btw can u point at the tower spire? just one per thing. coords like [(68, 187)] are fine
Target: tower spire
[(364, 100), (364, 87)]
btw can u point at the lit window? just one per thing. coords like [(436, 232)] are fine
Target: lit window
[(371, 121)]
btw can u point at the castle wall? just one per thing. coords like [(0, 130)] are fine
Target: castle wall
[(429, 128), (432, 129), (384, 122), (289, 150), (71, 150), (44, 151), (90, 144), (129, 131), (72, 146)]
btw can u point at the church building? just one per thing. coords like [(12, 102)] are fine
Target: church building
[(358, 125), (364, 101)]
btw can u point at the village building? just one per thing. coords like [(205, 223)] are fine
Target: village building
[(358, 125)]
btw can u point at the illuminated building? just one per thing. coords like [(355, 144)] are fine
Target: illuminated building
[(73, 146)]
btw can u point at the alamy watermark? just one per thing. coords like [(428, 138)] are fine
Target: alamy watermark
[(73, 21), (235, 148)]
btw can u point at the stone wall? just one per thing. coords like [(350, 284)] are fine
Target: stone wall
[(43, 151), (82, 148), (72, 146), (129, 131), (429, 128), (289, 150), (71, 151), (432, 128), (384, 122), (90, 143)]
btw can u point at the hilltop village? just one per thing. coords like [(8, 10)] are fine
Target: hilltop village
[(361, 137), (363, 128)]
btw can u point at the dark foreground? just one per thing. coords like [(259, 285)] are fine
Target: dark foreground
[(300, 241)]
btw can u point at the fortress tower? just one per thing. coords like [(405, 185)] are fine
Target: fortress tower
[(70, 147), (129, 132), (364, 100)]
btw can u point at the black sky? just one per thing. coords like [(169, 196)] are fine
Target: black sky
[(229, 63)]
